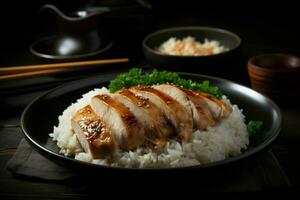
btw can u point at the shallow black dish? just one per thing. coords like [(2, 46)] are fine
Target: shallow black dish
[(200, 64), (37, 126), (66, 48), (78, 36)]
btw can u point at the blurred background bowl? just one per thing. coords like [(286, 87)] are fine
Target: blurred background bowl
[(211, 64), (276, 75), (64, 48)]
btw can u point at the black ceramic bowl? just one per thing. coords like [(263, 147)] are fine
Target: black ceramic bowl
[(37, 127), (65, 48), (200, 64)]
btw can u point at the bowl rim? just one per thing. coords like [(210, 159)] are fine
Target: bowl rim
[(253, 68), (55, 57), (215, 29)]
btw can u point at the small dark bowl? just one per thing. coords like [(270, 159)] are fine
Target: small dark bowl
[(199, 64), (76, 48)]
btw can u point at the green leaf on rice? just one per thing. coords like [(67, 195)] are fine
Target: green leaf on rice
[(135, 77), (254, 127)]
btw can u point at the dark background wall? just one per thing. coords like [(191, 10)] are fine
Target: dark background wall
[(272, 23)]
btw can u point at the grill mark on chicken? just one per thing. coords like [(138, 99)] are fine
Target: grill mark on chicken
[(175, 112), (163, 96), (158, 129), (168, 114), (179, 96), (206, 118), (99, 142), (224, 108), (138, 100), (127, 131), (125, 113)]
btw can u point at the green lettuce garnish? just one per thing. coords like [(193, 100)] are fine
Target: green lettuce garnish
[(254, 127), (135, 77)]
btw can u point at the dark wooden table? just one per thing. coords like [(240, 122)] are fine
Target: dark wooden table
[(276, 169)]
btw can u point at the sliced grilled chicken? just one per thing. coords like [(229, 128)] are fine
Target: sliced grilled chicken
[(219, 108), (157, 128), (177, 94), (173, 110), (92, 133), (127, 131), (202, 115)]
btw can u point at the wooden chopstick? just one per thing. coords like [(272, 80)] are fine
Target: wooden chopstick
[(30, 74), (7, 73), (80, 64)]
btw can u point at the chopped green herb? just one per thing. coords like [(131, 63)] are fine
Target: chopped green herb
[(254, 127), (135, 76)]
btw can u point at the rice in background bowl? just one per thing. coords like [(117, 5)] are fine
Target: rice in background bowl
[(189, 46), (219, 64)]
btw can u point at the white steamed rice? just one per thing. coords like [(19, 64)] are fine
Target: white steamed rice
[(224, 140), (189, 46)]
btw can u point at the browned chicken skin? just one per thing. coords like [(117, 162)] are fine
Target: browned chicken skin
[(127, 131), (219, 108), (143, 115), (202, 115), (92, 133), (157, 128), (175, 112)]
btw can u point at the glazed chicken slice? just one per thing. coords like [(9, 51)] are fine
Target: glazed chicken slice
[(92, 133), (202, 115), (157, 128), (219, 108), (126, 130), (177, 94), (172, 109)]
